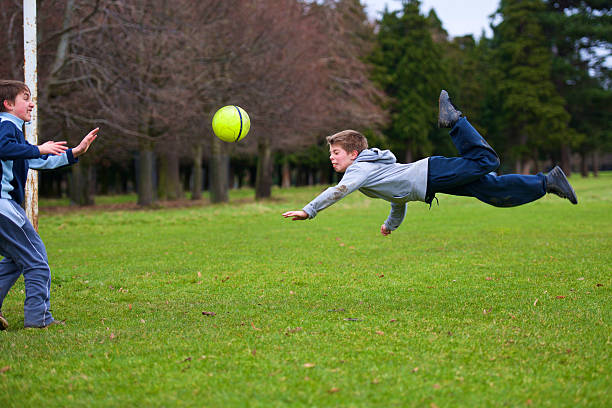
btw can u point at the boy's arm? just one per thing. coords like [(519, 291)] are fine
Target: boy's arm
[(10, 149), (47, 162), (396, 216), (354, 178)]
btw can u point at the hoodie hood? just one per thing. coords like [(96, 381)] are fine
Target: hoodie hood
[(376, 155)]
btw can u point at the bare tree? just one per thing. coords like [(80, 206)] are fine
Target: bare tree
[(59, 22), (152, 73)]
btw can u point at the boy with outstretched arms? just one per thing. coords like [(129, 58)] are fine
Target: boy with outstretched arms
[(20, 245), (377, 174)]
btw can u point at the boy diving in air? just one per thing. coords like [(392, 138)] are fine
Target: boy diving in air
[(377, 174)]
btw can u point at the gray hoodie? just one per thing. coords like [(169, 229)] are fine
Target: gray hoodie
[(377, 174)]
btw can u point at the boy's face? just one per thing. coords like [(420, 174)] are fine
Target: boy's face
[(22, 107), (340, 158)]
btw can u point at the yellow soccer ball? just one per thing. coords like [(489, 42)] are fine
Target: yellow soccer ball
[(231, 123)]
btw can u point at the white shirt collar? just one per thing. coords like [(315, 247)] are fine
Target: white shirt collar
[(11, 118)]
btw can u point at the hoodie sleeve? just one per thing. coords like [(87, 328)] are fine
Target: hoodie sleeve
[(396, 216), (354, 178)]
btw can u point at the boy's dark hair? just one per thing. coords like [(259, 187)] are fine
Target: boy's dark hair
[(349, 140), (9, 90)]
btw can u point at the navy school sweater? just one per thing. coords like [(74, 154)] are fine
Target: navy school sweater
[(17, 156)]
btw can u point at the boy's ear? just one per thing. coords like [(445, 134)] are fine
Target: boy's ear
[(8, 105), (354, 154)]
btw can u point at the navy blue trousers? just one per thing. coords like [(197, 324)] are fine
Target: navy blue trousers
[(471, 174)]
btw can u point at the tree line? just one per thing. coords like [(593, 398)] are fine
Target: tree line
[(151, 73)]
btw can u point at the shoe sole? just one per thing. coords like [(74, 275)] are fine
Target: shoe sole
[(443, 124), (567, 186)]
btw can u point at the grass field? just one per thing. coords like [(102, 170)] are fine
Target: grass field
[(465, 305)]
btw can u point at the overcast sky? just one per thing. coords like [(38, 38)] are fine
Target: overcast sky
[(458, 17)]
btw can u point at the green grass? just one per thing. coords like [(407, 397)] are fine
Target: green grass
[(465, 305)]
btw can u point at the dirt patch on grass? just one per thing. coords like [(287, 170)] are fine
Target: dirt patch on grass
[(158, 205)]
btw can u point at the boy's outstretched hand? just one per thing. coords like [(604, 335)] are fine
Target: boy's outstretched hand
[(384, 230), (85, 143), (296, 215), (54, 148)]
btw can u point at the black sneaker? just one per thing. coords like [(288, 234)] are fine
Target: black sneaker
[(557, 183), (448, 114), (3, 322)]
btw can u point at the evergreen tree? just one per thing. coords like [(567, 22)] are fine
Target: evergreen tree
[(580, 32), (532, 114), (466, 74), (449, 79), (408, 66)]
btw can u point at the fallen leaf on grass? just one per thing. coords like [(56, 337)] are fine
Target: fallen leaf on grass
[(352, 319), (225, 279), (130, 306), (599, 285), (488, 278), (254, 328), (436, 386), (380, 333), (112, 336), (393, 320), (208, 313), (289, 331), (375, 381), (415, 369), (5, 369), (333, 390), (309, 365), (535, 302), (560, 297)]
